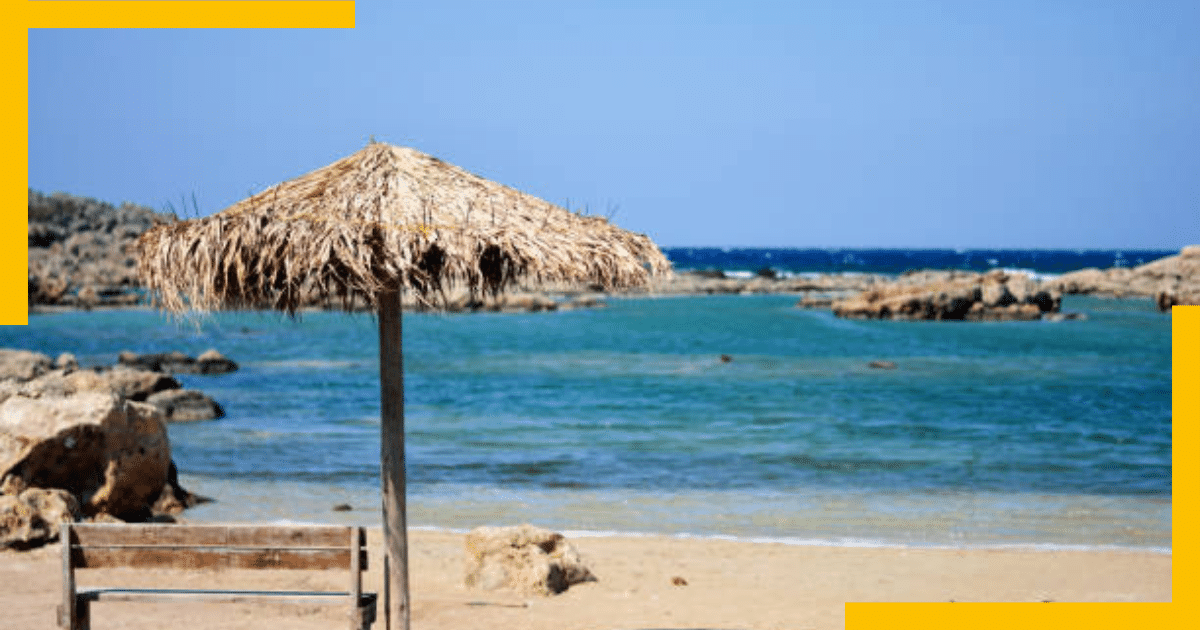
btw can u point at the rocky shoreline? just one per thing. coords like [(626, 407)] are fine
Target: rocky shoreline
[(1168, 281), (994, 296), (91, 443), (957, 294)]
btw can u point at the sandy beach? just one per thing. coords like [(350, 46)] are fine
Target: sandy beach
[(728, 585)]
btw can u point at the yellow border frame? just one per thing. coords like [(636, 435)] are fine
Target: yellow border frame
[(22, 15), (340, 14), (1185, 476)]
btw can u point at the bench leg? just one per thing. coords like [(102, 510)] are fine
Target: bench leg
[(82, 619), (363, 617), (83, 615)]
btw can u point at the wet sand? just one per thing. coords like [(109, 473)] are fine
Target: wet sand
[(728, 585)]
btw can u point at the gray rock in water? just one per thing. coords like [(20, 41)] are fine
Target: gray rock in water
[(523, 558), (185, 405), (211, 362), (168, 362)]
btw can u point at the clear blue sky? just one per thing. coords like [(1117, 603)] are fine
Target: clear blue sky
[(903, 123)]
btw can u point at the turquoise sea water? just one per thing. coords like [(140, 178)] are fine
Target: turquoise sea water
[(624, 419)]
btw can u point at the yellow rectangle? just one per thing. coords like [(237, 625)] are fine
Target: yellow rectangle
[(1022, 616), (190, 14)]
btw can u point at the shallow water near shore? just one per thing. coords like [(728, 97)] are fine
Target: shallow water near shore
[(624, 419)]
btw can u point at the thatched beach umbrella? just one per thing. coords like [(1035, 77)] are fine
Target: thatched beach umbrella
[(360, 231)]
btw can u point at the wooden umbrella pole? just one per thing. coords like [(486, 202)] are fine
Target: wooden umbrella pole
[(391, 458)]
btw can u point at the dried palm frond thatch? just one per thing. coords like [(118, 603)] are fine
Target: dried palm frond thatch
[(381, 219)]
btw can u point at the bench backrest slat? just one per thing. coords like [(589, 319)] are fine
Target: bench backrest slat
[(313, 536), (103, 545), (164, 557)]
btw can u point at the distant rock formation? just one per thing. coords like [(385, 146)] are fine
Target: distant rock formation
[(82, 252), (953, 295), (717, 283), (1169, 281)]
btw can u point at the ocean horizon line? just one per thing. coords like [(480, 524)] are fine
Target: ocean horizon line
[(947, 248)]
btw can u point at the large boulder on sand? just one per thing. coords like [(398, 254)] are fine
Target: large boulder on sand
[(524, 558), (111, 453), (31, 518)]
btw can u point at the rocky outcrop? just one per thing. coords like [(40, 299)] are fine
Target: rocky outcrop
[(31, 518), (112, 454), (524, 558), (136, 384), (124, 379), (58, 383), (79, 443), (953, 295), (23, 365), (1167, 298), (209, 362), (66, 361), (160, 390), (82, 252), (1169, 281)]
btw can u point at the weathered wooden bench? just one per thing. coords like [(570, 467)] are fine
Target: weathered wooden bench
[(205, 547)]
